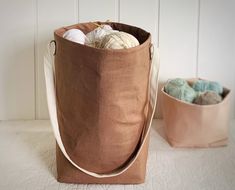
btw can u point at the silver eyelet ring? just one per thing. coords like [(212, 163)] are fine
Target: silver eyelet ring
[(54, 46)]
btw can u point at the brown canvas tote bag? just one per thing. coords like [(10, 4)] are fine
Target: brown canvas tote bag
[(101, 104), (191, 125)]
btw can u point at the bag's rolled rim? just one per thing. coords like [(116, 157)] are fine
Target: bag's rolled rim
[(225, 90), (60, 31)]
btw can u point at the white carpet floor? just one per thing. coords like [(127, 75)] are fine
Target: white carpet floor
[(27, 161)]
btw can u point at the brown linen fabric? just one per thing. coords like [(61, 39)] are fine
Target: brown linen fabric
[(191, 125), (134, 175), (102, 106)]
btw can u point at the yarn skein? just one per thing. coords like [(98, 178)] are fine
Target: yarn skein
[(208, 98), (75, 35), (203, 85), (180, 89), (95, 36), (118, 40)]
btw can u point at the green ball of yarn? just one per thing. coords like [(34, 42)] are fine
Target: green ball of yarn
[(203, 85), (180, 89), (208, 98)]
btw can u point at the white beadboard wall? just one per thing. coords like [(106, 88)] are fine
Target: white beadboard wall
[(196, 39)]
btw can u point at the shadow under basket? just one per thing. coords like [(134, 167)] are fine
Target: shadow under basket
[(191, 125)]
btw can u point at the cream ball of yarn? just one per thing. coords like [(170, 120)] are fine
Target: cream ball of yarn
[(75, 35), (95, 36), (118, 40)]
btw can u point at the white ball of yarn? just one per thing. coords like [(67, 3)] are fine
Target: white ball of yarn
[(75, 35), (95, 36), (118, 40)]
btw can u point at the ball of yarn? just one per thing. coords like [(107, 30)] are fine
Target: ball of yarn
[(118, 40), (203, 85), (75, 35), (95, 36), (180, 89), (208, 98)]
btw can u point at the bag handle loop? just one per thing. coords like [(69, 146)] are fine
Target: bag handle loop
[(51, 99)]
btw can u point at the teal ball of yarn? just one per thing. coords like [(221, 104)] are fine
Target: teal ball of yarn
[(203, 85), (180, 89)]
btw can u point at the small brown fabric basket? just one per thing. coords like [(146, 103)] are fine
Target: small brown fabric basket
[(104, 109), (191, 125)]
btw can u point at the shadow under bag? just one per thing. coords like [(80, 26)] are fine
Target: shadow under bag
[(101, 104)]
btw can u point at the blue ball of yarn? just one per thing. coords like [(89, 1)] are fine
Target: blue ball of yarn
[(203, 86), (180, 89)]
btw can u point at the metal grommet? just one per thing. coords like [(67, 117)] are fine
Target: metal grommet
[(151, 50), (53, 45)]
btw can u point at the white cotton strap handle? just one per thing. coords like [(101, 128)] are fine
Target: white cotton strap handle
[(51, 100)]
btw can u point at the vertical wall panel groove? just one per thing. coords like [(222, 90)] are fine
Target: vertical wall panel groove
[(35, 59), (198, 31), (157, 113), (35, 55), (117, 8), (158, 23), (76, 7)]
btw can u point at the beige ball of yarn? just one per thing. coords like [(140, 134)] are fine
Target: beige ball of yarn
[(208, 98), (94, 37), (118, 40)]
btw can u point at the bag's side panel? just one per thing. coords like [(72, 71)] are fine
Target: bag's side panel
[(102, 102)]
